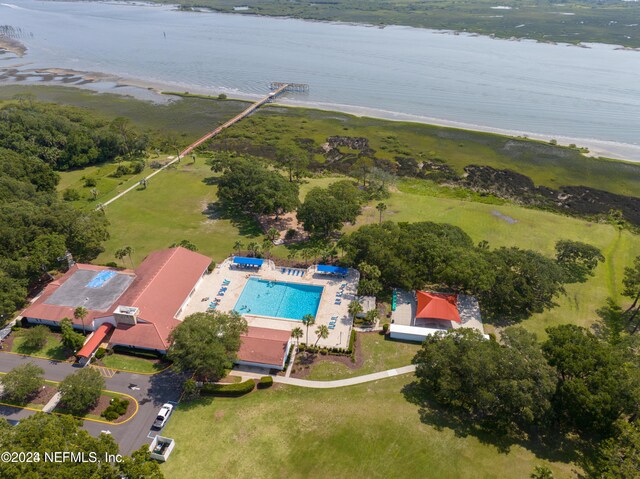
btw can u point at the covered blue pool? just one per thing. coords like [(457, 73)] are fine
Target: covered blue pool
[(101, 278), (279, 300)]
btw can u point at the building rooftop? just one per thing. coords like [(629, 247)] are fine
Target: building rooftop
[(265, 346)]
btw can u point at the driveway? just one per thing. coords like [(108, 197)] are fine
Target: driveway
[(151, 391)]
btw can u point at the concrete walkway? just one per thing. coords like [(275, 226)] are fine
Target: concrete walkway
[(292, 361), (338, 383), (53, 402)]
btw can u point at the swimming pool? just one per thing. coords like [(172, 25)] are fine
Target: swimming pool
[(279, 300)]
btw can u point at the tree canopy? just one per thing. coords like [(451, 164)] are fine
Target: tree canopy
[(207, 343), (595, 385), (35, 227), (22, 381), (577, 259), (67, 137), (81, 390), (504, 388), (325, 210), (250, 187), (50, 433), (512, 283)]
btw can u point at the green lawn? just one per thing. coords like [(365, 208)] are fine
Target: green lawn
[(172, 208), (132, 363), (107, 186), (53, 348), (369, 431), (535, 229), (379, 354)]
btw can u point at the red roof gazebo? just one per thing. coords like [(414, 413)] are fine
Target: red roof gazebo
[(437, 306)]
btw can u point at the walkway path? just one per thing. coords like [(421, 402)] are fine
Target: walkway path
[(337, 383), (200, 141)]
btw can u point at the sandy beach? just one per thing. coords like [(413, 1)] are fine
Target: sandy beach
[(152, 91)]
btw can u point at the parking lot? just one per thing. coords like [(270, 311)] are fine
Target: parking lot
[(150, 391)]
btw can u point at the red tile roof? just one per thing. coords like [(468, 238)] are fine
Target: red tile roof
[(264, 346), (437, 306), (162, 283), (95, 340)]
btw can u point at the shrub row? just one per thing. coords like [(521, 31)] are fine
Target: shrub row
[(325, 351), (117, 408), (234, 389), (265, 382), (143, 353)]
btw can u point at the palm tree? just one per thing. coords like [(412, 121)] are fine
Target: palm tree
[(308, 320), (322, 332), (122, 252), (381, 207), (237, 246), (296, 333), (272, 234), (80, 313), (355, 308), (266, 246), (253, 247), (306, 254)]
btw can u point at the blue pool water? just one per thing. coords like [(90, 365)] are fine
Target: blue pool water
[(101, 278), (280, 300)]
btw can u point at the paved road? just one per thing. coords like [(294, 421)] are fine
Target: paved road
[(151, 391), (338, 383)]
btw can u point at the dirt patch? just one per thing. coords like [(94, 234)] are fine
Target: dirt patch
[(44, 394), (284, 223)]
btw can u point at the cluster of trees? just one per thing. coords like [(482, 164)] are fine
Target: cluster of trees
[(247, 185), (575, 382), (35, 227), (50, 433), (511, 282), (67, 137), (206, 344), (325, 210)]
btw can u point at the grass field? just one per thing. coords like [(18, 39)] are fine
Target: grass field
[(369, 430), (53, 348), (379, 354), (132, 363), (172, 208)]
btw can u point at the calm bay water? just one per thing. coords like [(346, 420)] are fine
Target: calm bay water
[(555, 90)]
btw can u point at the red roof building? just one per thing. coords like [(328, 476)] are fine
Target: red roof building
[(264, 347), (437, 306)]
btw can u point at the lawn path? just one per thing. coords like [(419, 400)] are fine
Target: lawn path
[(337, 383)]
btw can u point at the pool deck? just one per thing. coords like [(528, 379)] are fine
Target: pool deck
[(208, 289)]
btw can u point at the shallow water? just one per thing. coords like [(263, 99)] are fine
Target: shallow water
[(554, 90)]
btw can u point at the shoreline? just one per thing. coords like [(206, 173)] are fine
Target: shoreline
[(153, 91), (10, 45)]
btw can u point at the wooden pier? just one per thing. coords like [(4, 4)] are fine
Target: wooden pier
[(277, 89)]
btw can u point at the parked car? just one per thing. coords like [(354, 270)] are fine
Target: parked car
[(163, 415)]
